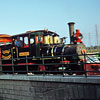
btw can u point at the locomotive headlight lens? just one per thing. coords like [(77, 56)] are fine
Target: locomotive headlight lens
[(80, 36)]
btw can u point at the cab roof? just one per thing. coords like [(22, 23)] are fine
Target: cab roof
[(29, 32)]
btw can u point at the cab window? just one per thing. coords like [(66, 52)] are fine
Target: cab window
[(32, 41), (26, 44), (19, 41), (39, 39), (21, 38)]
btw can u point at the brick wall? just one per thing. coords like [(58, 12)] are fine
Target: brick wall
[(32, 88)]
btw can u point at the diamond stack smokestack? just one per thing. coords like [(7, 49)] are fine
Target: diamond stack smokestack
[(71, 31)]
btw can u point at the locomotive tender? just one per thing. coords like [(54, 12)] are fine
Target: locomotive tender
[(33, 50)]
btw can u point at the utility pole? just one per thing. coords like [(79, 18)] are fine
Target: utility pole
[(89, 40), (96, 34)]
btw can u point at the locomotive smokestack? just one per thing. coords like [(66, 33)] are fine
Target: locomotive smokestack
[(71, 31)]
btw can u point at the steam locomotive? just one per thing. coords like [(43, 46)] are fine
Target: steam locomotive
[(42, 50)]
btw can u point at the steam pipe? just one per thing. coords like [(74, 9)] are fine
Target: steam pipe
[(71, 32)]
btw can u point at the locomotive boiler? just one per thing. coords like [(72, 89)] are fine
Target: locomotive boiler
[(43, 50)]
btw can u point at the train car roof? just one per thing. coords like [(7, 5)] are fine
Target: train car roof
[(28, 32), (4, 36)]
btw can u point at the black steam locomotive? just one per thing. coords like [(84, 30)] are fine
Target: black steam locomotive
[(42, 50)]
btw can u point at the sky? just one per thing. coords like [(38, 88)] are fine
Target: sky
[(19, 16)]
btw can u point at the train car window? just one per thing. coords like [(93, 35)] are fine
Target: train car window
[(21, 38), (26, 44), (32, 41)]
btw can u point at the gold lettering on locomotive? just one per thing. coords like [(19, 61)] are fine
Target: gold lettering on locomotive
[(6, 54), (6, 51), (6, 57), (24, 54)]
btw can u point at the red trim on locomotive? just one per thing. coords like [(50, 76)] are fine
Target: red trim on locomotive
[(7, 64), (65, 62), (5, 38), (92, 67), (25, 63)]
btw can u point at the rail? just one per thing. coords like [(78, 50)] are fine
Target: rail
[(83, 67)]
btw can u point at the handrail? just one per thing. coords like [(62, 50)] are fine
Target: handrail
[(45, 72)]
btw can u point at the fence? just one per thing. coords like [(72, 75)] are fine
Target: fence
[(81, 67)]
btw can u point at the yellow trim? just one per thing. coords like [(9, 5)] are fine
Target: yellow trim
[(6, 51), (6, 57), (24, 54)]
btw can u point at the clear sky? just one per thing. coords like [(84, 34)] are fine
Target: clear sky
[(19, 16)]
